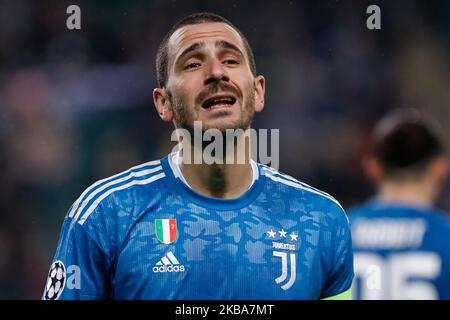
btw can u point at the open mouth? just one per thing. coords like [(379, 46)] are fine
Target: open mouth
[(219, 101)]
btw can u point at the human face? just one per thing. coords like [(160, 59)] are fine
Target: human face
[(209, 78)]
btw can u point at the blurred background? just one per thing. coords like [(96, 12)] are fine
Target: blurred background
[(76, 105)]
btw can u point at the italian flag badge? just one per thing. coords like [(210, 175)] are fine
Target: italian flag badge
[(166, 230)]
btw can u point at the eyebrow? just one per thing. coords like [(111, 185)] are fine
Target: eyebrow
[(219, 44), (192, 47), (227, 45)]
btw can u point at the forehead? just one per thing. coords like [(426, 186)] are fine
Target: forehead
[(203, 32)]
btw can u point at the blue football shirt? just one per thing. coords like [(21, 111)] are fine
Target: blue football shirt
[(401, 252), (144, 234)]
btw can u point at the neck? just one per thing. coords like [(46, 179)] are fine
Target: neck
[(222, 178), (420, 193)]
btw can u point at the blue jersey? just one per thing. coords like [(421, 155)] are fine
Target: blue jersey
[(144, 234), (401, 252)]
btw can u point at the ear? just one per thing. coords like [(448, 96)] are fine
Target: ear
[(440, 168), (373, 169), (162, 104), (260, 83)]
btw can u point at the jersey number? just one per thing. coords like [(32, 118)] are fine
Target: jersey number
[(401, 276)]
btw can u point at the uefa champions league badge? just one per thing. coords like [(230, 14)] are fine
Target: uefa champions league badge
[(56, 281), (166, 230)]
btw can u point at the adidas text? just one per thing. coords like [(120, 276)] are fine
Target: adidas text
[(169, 268)]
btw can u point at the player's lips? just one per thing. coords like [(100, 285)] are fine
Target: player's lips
[(219, 101)]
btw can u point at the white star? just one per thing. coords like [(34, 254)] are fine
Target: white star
[(282, 233), (271, 233), (293, 236)]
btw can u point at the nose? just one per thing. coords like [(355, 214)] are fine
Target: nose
[(216, 72)]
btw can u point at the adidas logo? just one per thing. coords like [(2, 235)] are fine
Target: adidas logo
[(168, 263)]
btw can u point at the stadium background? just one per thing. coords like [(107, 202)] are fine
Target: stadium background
[(76, 106)]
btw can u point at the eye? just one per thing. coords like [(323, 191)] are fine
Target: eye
[(192, 65), (231, 61)]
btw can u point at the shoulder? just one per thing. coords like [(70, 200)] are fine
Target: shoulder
[(361, 210), (119, 185), (440, 220), (313, 198)]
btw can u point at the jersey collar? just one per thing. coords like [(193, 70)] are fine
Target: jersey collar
[(179, 184)]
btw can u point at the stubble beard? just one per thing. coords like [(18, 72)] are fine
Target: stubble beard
[(184, 118)]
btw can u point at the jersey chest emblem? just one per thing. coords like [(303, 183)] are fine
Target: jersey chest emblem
[(285, 246), (166, 230)]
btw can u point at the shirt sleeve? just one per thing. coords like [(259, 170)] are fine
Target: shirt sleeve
[(80, 267), (340, 275)]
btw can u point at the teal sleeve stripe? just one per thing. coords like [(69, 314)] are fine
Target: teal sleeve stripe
[(346, 295)]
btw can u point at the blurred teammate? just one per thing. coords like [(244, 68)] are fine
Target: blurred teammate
[(401, 242), (173, 229)]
